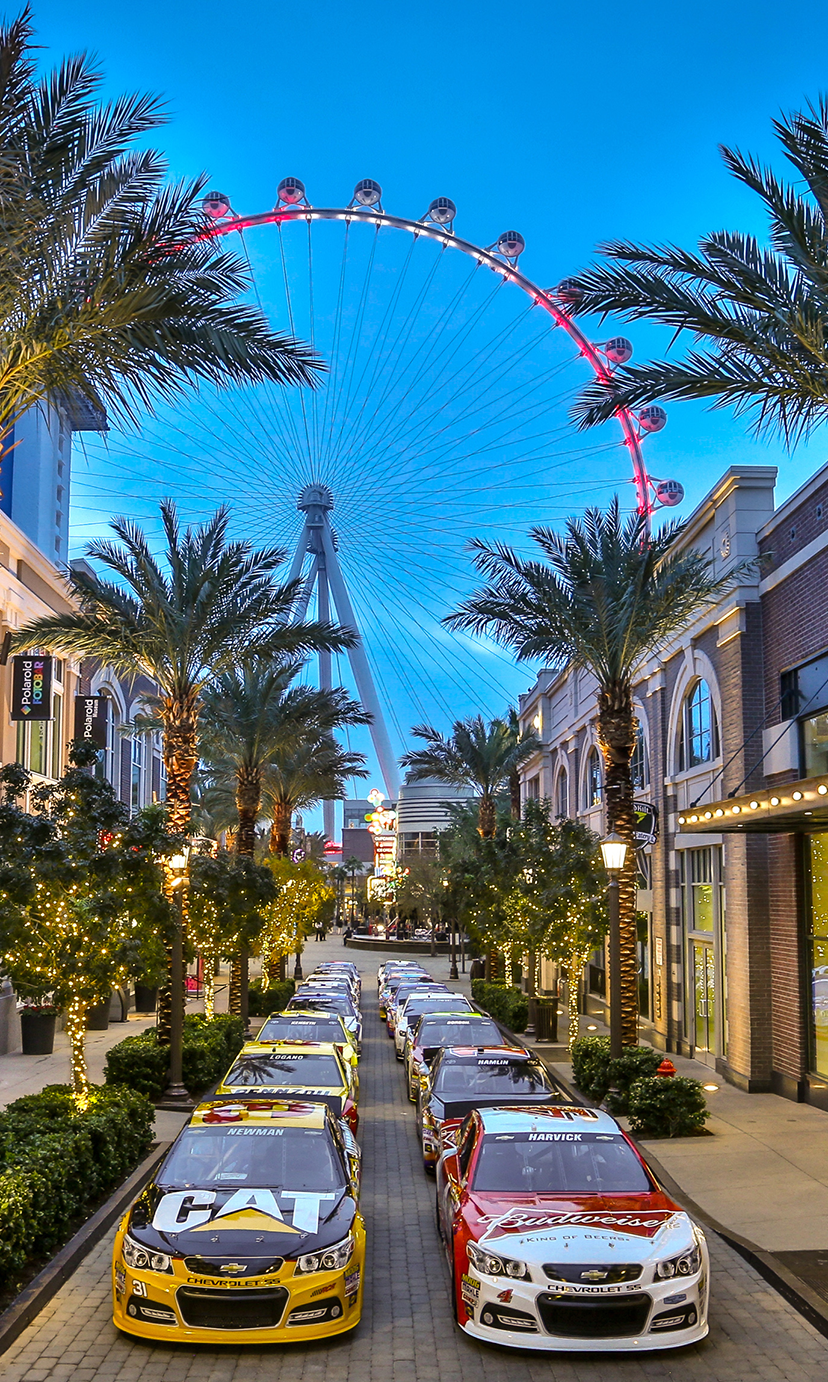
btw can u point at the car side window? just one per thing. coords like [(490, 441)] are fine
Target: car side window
[(465, 1146)]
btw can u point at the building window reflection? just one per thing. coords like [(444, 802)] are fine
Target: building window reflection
[(818, 947), (699, 732), (562, 795)]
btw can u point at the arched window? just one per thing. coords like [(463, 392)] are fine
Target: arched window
[(592, 780), (699, 733), (562, 795), (639, 763)]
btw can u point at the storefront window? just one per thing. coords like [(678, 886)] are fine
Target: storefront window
[(818, 944), (815, 745), (697, 878)]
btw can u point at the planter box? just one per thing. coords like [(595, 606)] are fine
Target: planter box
[(37, 1032), (145, 998), (97, 1018)]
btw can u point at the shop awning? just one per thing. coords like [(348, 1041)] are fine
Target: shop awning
[(801, 806)]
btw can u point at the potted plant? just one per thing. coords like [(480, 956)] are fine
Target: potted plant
[(146, 997), (37, 1025)]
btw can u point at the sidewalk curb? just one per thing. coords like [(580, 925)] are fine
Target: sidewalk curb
[(796, 1292), (47, 1283)]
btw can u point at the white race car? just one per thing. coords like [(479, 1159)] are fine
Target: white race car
[(558, 1236)]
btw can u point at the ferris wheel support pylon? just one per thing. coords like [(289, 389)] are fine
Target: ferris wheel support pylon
[(317, 539)]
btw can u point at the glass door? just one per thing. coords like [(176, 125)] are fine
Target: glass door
[(704, 992)]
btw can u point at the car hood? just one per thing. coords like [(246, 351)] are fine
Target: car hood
[(540, 1228), (240, 1223)]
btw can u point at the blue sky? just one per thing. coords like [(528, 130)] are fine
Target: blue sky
[(573, 124)]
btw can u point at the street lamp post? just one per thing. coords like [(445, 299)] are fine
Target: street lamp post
[(614, 851), (453, 970), (176, 1096)]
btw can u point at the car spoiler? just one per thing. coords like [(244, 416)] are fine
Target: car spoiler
[(294, 1095), (458, 1108)]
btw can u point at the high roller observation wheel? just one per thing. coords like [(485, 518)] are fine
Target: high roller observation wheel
[(501, 257)]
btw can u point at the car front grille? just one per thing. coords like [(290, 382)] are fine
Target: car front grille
[(217, 1266), (569, 1317), (593, 1273), (204, 1308)]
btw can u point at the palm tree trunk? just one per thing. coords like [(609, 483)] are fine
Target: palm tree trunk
[(180, 760), (280, 829), (514, 794), (486, 817), (248, 804), (617, 727)]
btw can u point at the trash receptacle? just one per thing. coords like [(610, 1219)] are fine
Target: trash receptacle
[(546, 1019)]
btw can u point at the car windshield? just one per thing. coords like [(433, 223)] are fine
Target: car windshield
[(457, 1031), (301, 1029), (336, 1002), (491, 1076), (415, 1007), (405, 991), (266, 1158), (539, 1163), (257, 1070)]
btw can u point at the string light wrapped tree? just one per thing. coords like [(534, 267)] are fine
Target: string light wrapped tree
[(82, 900), (228, 905), (304, 894)]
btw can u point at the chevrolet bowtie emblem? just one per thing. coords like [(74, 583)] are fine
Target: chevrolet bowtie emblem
[(594, 1276), (232, 1268)]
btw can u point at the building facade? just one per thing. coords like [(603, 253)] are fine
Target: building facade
[(704, 919)]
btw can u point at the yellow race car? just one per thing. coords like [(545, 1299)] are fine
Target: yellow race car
[(295, 1069), (308, 1025), (250, 1232)]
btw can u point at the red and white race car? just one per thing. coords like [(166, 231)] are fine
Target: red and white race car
[(558, 1237)]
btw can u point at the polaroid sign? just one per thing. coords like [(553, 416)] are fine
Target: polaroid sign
[(90, 719), (31, 688)]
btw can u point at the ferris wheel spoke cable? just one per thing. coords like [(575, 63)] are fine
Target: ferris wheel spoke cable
[(283, 416), (354, 336), (354, 435), (293, 334), (375, 356), (337, 327), (417, 436)]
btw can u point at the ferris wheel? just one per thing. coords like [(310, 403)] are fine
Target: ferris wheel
[(443, 414)]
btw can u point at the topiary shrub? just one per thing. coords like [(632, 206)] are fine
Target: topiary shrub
[(56, 1161), (504, 1003), (661, 1106), (274, 999), (595, 1072), (207, 1050)]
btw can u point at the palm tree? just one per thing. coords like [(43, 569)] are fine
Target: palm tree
[(476, 755), (314, 768), (253, 715), (605, 602), (110, 289), (757, 313), (215, 605)]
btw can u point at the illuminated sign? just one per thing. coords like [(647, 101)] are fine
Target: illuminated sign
[(31, 688)]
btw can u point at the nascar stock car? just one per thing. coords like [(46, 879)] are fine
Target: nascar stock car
[(391, 983), (559, 1238), (406, 991), (329, 1001), (308, 1025), (418, 1003), (250, 1231), (449, 1026), (461, 1078), (303, 1070)]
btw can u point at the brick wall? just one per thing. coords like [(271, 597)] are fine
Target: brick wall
[(795, 621)]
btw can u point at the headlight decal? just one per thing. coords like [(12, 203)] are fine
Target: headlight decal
[(495, 1264), (141, 1259), (330, 1259), (685, 1263)]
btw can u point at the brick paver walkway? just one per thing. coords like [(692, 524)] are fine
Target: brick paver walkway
[(407, 1334)]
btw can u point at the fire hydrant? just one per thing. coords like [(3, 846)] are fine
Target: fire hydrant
[(666, 1067)]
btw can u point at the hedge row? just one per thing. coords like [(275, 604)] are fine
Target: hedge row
[(504, 1004), (56, 1161), (658, 1105), (208, 1049), (274, 999)]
